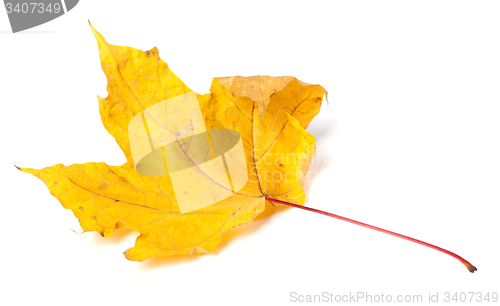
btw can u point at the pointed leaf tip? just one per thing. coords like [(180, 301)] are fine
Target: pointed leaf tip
[(96, 34)]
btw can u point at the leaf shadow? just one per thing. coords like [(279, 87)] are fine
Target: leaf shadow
[(168, 261), (240, 232), (250, 228), (118, 236), (323, 130)]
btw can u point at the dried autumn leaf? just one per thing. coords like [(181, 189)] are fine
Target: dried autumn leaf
[(269, 113)]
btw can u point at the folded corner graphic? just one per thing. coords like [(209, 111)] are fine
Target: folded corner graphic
[(205, 166), (25, 14)]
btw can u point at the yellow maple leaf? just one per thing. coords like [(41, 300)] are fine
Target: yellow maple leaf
[(269, 113)]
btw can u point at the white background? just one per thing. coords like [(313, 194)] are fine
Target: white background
[(408, 142)]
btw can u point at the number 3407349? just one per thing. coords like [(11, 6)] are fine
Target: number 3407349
[(33, 8)]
